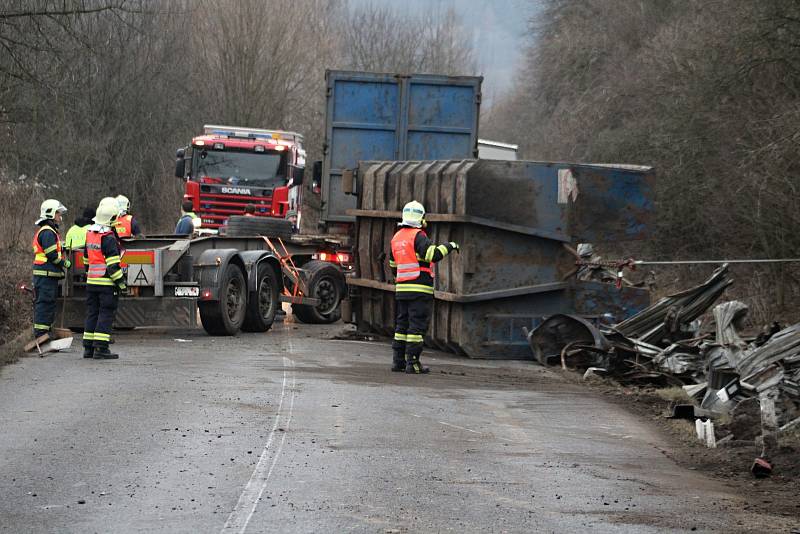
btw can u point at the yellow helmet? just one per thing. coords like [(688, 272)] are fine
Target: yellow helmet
[(49, 209), (124, 203), (107, 211), (413, 214)]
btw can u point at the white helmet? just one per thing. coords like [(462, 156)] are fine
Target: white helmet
[(124, 203), (49, 209), (107, 211), (413, 214)]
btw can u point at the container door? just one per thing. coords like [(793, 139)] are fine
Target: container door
[(442, 119), (362, 120)]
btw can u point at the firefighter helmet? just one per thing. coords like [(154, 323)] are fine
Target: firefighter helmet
[(413, 214), (49, 209), (107, 211), (124, 203)]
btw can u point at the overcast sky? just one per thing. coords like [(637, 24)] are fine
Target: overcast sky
[(498, 27)]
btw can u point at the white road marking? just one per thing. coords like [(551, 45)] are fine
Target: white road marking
[(460, 427), (353, 341), (251, 495)]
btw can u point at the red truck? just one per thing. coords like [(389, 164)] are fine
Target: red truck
[(230, 167)]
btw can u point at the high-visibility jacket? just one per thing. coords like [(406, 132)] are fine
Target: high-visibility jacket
[(413, 256), (405, 257), (48, 257), (124, 226), (76, 237), (103, 257)]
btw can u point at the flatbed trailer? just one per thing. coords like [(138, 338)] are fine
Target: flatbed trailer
[(229, 283)]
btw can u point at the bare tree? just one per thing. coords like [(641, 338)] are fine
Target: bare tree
[(382, 39), (706, 91), (259, 63)]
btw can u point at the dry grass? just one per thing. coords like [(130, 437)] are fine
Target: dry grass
[(16, 307), (673, 394), (11, 351)]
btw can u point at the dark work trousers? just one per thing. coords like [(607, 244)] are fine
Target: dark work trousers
[(411, 322), (44, 310), (101, 306)]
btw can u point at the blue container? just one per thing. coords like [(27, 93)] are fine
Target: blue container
[(375, 116)]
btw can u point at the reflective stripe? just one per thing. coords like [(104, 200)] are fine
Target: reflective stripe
[(443, 249), (117, 275), (99, 336), (50, 249), (414, 338), (41, 326), (51, 274), (414, 288), (100, 282), (399, 337), (392, 263), (40, 258), (407, 271), (431, 250), (88, 336), (112, 259)]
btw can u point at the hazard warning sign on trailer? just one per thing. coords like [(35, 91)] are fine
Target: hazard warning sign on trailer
[(141, 275)]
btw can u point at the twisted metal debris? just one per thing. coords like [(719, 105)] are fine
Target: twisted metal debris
[(663, 345)]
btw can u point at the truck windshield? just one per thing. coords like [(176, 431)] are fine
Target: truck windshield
[(260, 169)]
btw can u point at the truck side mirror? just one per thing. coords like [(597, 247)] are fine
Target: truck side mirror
[(180, 162), (296, 174), (316, 179)]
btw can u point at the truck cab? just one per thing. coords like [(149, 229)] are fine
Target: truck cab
[(229, 167)]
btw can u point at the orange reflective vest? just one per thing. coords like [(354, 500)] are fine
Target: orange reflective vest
[(405, 257), (97, 262), (124, 226), (40, 254)]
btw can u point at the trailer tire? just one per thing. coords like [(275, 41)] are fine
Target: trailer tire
[(225, 316), (263, 304), (325, 282), (241, 226)]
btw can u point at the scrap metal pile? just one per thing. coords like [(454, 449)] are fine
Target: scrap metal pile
[(663, 345)]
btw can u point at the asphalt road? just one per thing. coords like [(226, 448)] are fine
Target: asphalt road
[(288, 432)]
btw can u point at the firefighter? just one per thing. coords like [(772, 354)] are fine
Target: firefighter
[(76, 235), (413, 256), (104, 281), (48, 265), (188, 221), (126, 226)]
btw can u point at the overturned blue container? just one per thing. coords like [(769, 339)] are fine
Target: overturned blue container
[(513, 220)]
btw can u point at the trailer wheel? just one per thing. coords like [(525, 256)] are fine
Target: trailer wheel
[(225, 316), (263, 304), (325, 282), (241, 226)]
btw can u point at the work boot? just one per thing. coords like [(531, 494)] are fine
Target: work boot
[(101, 352), (413, 367), (88, 351), (398, 362)]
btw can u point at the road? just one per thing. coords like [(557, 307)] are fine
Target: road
[(288, 432)]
